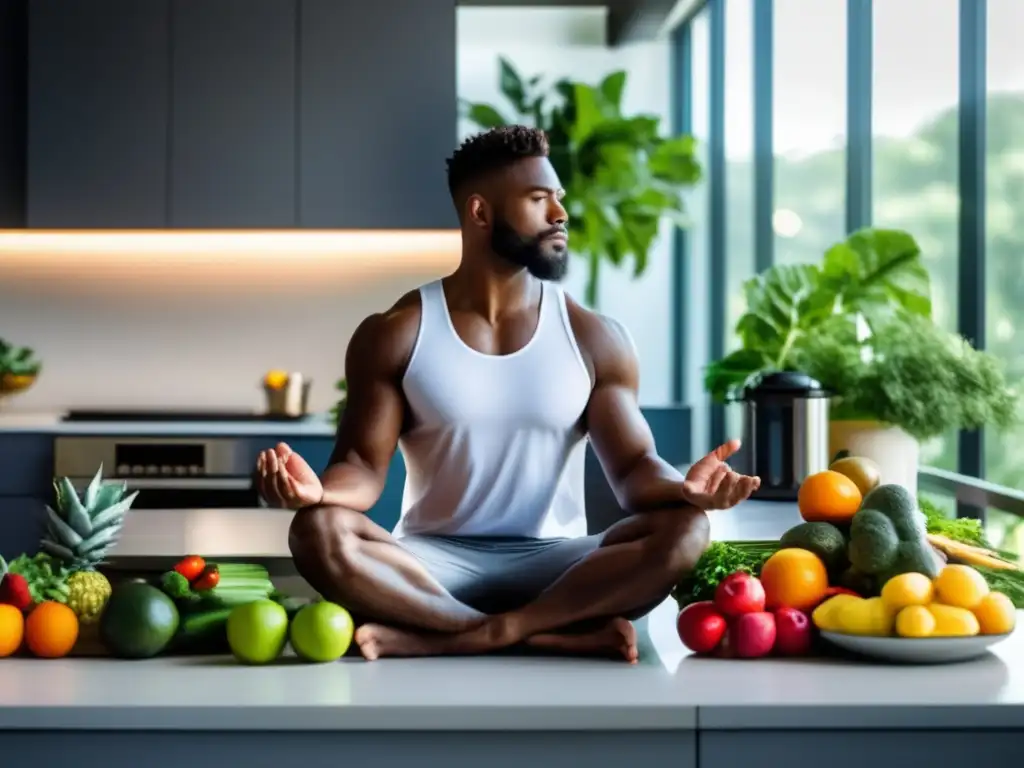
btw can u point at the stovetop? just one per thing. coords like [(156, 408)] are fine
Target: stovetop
[(173, 415)]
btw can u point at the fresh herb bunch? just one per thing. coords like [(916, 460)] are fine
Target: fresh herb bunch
[(909, 373), (719, 560)]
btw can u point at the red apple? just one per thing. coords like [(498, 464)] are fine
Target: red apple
[(739, 593), (793, 634), (752, 635), (701, 626)]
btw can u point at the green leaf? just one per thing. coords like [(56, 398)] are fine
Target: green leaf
[(113, 516), (511, 85), (723, 379), (78, 520), (782, 302), (65, 532), (588, 112), (612, 87), (485, 116), (92, 490)]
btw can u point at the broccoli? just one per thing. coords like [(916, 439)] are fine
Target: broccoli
[(176, 586)]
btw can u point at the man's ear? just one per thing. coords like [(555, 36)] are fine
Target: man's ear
[(478, 211)]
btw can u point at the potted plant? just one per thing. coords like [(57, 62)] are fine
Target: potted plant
[(621, 176), (19, 369), (860, 323)]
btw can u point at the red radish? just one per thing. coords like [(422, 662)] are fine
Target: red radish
[(793, 634), (739, 593), (701, 626), (752, 635)]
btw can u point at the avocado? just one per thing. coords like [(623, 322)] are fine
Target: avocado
[(823, 539)]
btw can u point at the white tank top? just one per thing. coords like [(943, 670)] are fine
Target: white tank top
[(496, 449)]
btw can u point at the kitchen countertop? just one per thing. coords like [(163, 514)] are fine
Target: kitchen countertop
[(316, 425), (668, 689)]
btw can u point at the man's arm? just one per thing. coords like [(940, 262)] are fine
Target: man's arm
[(619, 433), (371, 421)]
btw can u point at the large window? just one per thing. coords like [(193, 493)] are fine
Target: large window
[(1004, 300), (810, 128), (915, 93)]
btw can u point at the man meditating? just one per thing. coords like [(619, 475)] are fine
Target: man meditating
[(491, 381)]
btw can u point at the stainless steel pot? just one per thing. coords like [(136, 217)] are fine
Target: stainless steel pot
[(785, 433)]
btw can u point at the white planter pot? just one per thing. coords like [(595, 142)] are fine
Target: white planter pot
[(896, 453)]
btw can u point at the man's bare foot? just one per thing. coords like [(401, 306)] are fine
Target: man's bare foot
[(617, 637), (378, 640)]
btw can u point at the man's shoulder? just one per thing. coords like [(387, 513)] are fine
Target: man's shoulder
[(604, 341), (384, 340)]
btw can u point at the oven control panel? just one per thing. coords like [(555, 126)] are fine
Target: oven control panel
[(150, 457)]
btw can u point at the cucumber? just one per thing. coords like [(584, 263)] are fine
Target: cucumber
[(203, 632)]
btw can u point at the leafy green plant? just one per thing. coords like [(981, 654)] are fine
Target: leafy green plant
[(18, 361), (341, 385), (909, 373), (869, 277), (621, 177)]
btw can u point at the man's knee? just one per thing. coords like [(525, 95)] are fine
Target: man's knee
[(323, 534), (680, 538)]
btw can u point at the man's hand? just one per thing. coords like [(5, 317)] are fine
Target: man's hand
[(286, 480), (711, 484)]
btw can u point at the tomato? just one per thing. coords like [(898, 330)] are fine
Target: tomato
[(191, 567)]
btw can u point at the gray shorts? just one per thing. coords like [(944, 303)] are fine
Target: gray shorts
[(497, 574)]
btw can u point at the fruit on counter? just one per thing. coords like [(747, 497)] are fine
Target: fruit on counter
[(864, 472), (823, 539), (887, 536), (719, 560), (257, 631), (207, 580), (79, 533), (996, 614), (237, 583), (953, 621), (915, 621), (275, 379), (960, 586), (826, 616), (907, 589), (752, 635), (701, 626), (12, 629), (321, 632), (865, 616), (46, 577), (139, 621), (190, 567), (829, 497), (795, 578), (14, 589), (51, 630), (793, 635), (833, 591), (739, 593)]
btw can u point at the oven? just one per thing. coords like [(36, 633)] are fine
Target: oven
[(169, 472)]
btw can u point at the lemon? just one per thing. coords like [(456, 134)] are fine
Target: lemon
[(907, 589), (960, 586), (996, 614), (915, 621), (953, 621), (866, 617), (825, 615)]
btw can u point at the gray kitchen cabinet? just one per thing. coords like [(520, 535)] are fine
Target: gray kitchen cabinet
[(97, 113), (377, 114), (22, 523), (233, 117)]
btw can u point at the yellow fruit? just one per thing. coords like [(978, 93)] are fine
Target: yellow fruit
[(829, 497), (88, 592), (953, 621), (276, 379), (915, 621), (996, 614), (825, 615), (866, 617), (907, 589), (960, 586), (795, 578), (12, 629), (865, 473)]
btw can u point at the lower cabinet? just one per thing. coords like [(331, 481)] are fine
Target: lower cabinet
[(22, 522)]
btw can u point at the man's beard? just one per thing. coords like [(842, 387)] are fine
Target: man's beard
[(529, 252)]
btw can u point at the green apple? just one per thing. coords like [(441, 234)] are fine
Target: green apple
[(321, 632), (257, 631)]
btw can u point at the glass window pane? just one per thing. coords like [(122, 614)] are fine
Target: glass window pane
[(915, 148), (1004, 301), (739, 181), (810, 128)]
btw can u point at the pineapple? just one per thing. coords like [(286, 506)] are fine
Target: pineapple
[(80, 532)]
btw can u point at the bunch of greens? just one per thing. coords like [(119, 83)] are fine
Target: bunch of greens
[(621, 175), (719, 560), (18, 361), (870, 276), (909, 373)]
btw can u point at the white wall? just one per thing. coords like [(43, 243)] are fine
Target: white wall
[(570, 42)]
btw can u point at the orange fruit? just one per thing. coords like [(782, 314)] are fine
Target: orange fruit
[(828, 497), (12, 629), (51, 630), (795, 578)]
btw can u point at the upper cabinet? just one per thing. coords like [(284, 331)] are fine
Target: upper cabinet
[(240, 114)]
